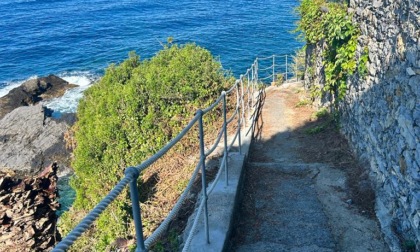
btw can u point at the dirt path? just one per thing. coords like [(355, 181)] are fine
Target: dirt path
[(303, 191)]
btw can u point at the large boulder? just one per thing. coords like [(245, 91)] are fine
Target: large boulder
[(30, 141), (33, 91)]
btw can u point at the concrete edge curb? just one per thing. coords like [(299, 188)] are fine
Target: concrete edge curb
[(222, 202)]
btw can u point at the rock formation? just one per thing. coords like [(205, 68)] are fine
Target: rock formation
[(30, 141), (33, 91), (27, 211)]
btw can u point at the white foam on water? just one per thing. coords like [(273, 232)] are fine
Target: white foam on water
[(69, 101), (13, 84), (82, 79)]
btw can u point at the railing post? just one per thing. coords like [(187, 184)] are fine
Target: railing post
[(134, 194), (238, 108), (251, 92), (249, 95), (225, 140), (203, 174), (286, 67), (256, 70), (274, 64), (239, 130), (242, 99)]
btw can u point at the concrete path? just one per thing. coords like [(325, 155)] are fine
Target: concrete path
[(292, 205)]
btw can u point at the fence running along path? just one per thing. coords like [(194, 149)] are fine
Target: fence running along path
[(278, 68), (249, 91)]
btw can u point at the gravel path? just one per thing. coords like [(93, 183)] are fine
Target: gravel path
[(292, 205)]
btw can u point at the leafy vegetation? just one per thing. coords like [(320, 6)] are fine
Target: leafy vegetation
[(302, 103), (328, 22), (279, 80), (298, 64), (325, 121), (322, 113), (136, 108)]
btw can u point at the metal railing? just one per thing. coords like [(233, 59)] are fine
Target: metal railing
[(278, 68), (248, 96)]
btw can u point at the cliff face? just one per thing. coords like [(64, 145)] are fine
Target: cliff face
[(380, 114), (30, 141)]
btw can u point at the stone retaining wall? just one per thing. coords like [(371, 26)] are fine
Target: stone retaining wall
[(380, 115)]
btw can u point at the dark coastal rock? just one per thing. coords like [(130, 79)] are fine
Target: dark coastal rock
[(27, 211), (30, 141), (33, 91)]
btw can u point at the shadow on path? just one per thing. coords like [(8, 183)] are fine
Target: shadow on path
[(297, 195)]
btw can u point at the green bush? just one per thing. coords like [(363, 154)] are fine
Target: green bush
[(132, 112)]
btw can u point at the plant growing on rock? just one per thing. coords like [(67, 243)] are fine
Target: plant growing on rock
[(329, 24)]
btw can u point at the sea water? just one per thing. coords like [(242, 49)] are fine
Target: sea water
[(78, 39)]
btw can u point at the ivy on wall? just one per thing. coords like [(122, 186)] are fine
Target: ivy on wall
[(328, 23)]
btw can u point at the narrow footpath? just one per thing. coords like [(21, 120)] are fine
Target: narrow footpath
[(303, 191)]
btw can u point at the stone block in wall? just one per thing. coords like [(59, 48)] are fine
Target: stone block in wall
[(412, 55), (406, 123), (414, 83)]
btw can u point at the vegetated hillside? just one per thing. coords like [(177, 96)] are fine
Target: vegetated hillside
[(133, 111)]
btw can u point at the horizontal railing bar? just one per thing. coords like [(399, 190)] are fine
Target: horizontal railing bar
[(193, 227), (219, 136), (169, 145), (212, 106), (91, 217), (267, 68), (265, 58), (234, 139), (270, 76), (232, 88), (232, 117), (216, 179)]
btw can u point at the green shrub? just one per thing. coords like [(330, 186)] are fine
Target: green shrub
[(329, 23), (322, 113), (298, 64), (132, 112), (302, 103)]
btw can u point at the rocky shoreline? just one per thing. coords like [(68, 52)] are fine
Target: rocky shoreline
[(33, 154), (30, 138)]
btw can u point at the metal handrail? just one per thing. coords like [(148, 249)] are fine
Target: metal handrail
[(251, 80), (273, 65)]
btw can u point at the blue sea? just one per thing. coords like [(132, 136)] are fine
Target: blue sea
[(78, 39)]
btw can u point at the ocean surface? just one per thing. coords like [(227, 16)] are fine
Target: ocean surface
[(78, 39)]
